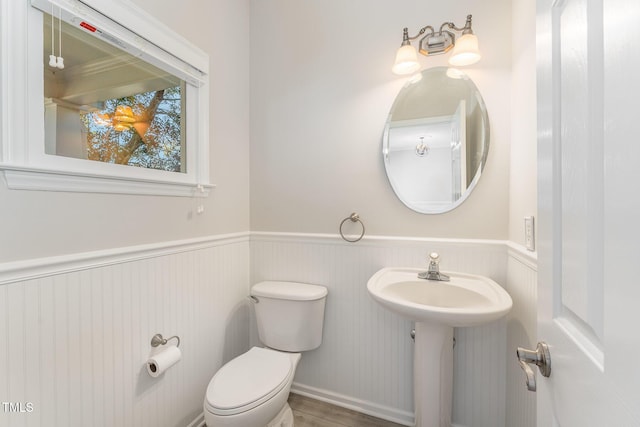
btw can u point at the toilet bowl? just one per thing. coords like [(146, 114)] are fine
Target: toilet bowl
[(252, 389)]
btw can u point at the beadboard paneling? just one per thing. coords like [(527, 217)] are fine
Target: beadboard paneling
[(366, 357), (522, 281), (76, 331)]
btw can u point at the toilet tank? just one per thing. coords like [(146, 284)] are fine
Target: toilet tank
[(290, 315)]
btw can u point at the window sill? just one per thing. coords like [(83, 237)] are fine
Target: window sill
[(23, 178)]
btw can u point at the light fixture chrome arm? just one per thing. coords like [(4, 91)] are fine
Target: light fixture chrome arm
[(464, 30), (434, 43), (406, 38)]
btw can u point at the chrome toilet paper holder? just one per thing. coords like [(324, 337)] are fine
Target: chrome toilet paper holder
[(158, 340)]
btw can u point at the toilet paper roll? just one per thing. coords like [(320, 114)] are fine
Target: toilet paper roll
[(163, 360)]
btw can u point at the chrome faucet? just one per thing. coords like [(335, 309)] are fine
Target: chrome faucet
[(433, 273)]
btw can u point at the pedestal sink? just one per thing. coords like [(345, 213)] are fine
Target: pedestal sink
[(437, 307)]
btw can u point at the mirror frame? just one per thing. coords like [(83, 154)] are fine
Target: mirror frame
[(485, 135)]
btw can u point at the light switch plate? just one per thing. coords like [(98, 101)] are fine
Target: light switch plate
[(529, 233)]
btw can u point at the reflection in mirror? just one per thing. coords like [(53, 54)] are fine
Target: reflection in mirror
[(436, 140), (108, 105)]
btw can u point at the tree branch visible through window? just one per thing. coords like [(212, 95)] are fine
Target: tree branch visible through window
[(152, 139)]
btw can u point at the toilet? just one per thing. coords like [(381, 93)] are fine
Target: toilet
[(252, 389)]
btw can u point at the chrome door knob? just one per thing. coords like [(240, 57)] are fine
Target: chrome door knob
[(539, 357)]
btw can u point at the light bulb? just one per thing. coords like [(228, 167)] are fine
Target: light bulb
[(406, 60), (466, 51)]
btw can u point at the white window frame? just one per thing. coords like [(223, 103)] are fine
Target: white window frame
[(23, 160)]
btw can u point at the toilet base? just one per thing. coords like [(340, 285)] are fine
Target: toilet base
[(283, 419)]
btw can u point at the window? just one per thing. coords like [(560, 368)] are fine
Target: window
[(142, 129), (125, 112)]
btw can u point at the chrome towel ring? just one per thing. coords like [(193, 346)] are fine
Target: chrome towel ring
[(354, 217)]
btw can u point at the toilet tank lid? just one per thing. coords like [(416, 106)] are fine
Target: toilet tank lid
[(289, 291)]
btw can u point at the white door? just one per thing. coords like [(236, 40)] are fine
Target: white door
[(589, 211)]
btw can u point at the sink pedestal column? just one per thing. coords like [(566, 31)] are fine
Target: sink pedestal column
[(433, 374)]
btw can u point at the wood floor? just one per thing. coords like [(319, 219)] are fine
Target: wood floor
[(309, 412)]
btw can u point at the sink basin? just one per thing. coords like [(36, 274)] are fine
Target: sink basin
[(466, 300)]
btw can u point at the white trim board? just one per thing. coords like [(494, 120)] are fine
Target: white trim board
[(17, 271), (372, 240), (198, 421)]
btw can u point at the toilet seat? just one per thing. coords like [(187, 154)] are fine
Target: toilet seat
[(248, 381)]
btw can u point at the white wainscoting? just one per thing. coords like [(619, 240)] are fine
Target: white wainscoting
[(522, 284), (365, 361), (75, 331)]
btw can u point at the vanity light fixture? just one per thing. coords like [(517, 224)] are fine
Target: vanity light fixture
[(123, 118), (422, 149), (465, 49)]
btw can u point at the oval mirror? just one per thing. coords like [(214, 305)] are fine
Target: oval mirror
[(436, 140)]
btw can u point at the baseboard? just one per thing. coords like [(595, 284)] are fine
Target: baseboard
[(370, 408), (198, 422)]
